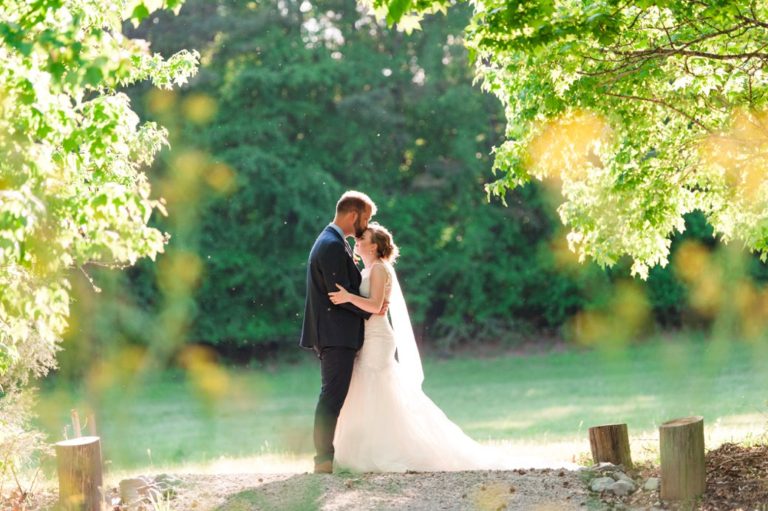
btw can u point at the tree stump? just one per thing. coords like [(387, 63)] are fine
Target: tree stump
[(610, 443), (683, 474), (80, 477)]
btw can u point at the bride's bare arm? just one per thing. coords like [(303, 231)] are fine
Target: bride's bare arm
[(372, 304)]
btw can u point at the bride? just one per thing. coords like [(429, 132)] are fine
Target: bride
[(387, 423)]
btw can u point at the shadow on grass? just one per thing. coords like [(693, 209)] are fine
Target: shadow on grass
[(297, 493)]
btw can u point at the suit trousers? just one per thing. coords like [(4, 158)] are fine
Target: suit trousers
[(336, 365)]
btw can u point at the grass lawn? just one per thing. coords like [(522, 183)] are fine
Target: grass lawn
[(538, 400)]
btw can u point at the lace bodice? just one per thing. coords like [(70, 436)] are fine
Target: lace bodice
[(365, 285), (378, 351)]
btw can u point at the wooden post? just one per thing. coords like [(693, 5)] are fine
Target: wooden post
[(683, 474), (76, 431), (92, 424), (610, 443), (80, 477)]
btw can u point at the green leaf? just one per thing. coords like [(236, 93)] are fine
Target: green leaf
[(71, 145), (27, 94), (100, 200), (140, 12), (93, 76), (396, 10), (174, 5), (57, 70)]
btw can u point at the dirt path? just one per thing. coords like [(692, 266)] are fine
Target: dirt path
[(735, 480), (535, 490), (545, 489)]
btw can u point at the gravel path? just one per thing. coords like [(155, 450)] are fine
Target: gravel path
[(545, 489), (281, 483)]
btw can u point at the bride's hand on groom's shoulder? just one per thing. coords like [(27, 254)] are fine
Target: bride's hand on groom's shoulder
[(340, 296)]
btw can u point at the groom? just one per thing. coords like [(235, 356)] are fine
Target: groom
[(334, 332)]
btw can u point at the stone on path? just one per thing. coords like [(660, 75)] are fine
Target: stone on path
[(652, 484), (621, 488), (601, 484)]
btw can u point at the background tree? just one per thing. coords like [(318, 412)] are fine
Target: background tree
[(642, 111), (295, 103), (306, 101), (72, 193)]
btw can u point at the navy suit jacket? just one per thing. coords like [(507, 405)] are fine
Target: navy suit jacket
[(325, 324)]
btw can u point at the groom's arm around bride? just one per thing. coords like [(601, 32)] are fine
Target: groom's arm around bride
[(326, 324)]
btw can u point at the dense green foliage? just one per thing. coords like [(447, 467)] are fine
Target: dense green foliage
[(290, 108), (642, 111), (72, 190), (297, 121)]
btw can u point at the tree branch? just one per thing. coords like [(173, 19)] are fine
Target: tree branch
[(664, 52), (109, 264), (662, 103), (621, 71), (753, 21), (96, 288)]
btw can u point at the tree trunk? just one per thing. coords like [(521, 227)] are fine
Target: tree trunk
[(683, 474), (79, 468), (610, 443)]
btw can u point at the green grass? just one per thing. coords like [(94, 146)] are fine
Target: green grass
[(536, 398), (298, 493)]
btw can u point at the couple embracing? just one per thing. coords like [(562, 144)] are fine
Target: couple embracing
[(372, 415)]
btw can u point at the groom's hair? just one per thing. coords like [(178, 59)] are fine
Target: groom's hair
[(355, 201)]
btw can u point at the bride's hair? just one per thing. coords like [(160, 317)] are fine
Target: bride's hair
[(385, 246)]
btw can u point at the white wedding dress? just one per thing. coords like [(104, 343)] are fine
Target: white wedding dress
[(387, 423)]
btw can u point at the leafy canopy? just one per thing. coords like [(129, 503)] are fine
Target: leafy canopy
[(72, 191), (639, 112)]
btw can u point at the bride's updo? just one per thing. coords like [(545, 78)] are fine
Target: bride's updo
[(386, 249)]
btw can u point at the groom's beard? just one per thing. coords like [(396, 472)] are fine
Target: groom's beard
[(359, 230)]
